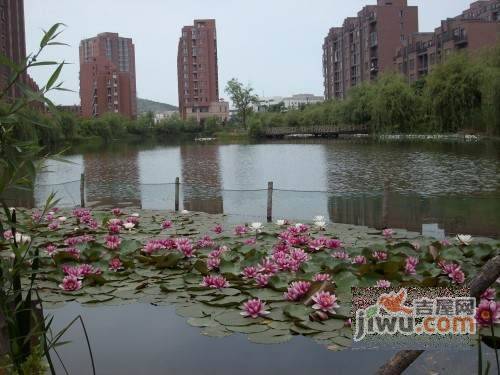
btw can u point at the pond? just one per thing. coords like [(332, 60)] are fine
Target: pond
[(398, 184)]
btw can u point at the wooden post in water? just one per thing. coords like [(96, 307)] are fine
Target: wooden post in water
[(269, 201), (82, 190), (177, 194)]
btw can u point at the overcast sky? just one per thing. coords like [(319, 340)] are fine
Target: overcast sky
[(275, 45)]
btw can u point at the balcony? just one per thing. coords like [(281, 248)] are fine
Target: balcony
[(460, 39)]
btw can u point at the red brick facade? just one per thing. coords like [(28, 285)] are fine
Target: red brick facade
[(365, 45), (107, 76), (476, 28), (385, 37), (12, 40), (197, 69)]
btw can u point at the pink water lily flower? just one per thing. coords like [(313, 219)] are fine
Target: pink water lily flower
[(166, 224), (114, 228), (115, 265), (388, 233), (342, 255), (457, 276), (51, 250), (262, 279), (116, 211), (325, 301), (411, 265), (297, 290), (267, 265), (73, 252), (218, 229), (185, 246), (334, 243), (383, 284), (250, 241), (112, 242), (213, 263), (205, 242), (321, 277), (359, 259), (215, 281), (254, 308), (70, 283), (489, 294), (249, 272), (380, 256), (54, 225), (488, 313), (240, 230)]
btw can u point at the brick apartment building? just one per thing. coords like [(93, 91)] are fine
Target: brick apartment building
[(197, 73), (13, 43), (107, 76), (476, 28), (365, 45)]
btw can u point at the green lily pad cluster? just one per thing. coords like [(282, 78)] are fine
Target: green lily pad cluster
[(170, 277)]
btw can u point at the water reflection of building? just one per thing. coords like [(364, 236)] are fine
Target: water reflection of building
[(201, 178), (112, 178), (476, 215)]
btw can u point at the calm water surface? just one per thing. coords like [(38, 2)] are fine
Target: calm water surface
[(396, 184)]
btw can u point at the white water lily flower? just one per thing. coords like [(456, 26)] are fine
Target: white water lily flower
[(319, 218), (464, 239), (135, 214), (320, 224), (184, 212), (62, 219), (128, 225), (280, 222), (22, 238), (256, 227)]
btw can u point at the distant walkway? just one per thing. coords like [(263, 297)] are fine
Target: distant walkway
[(317, 131)]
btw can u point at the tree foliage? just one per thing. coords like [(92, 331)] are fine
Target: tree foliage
[(242, 98), (460, 95)]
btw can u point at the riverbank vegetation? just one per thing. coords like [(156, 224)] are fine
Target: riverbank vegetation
[(460, 95)]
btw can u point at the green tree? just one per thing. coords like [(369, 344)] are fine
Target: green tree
[(242, 98)]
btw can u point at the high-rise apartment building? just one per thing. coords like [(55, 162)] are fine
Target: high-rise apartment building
[(365, 45), (107, 76), (13, 44), (476, 28), (197, 73)]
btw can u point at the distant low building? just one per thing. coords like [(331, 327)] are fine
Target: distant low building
[(76, 109), (219, 110), (265, 102), (290, 102), (159, 116), (299, 100)]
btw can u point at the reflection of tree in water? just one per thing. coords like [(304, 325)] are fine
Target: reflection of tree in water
[(201, 178), (112, 178)]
